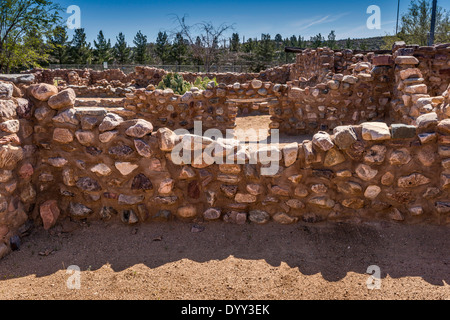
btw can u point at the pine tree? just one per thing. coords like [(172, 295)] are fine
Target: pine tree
[(179, 49), (235, 42), (60, 45), (162, 47), (121, 50), (140, 50), (331, 43), (103, 51), (81, 52)]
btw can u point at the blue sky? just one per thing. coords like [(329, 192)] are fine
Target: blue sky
[(250, 18)]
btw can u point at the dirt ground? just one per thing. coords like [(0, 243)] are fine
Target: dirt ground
[(160, 261)]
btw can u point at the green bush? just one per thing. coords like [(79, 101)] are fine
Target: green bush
[(176, 82)]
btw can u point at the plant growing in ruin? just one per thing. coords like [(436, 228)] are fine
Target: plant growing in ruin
[(175, 82)]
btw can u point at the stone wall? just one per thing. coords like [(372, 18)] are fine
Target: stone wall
[(93, 164)]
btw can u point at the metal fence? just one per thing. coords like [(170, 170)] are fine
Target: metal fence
[(172, 68)]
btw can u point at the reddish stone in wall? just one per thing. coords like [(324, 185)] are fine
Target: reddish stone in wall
[(385, 60), (49, 213)]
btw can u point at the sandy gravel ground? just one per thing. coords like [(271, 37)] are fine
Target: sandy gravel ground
[(160, 261)]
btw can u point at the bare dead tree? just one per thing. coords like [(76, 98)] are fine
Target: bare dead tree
[(204, 39)]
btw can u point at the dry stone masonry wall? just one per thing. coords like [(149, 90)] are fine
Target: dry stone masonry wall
[(380, 149)]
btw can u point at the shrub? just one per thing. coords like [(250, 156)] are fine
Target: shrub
[(175, 82)]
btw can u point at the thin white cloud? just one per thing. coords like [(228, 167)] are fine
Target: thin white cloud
[(307, 23)]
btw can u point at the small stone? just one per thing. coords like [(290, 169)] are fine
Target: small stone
[(8, 110), (57, 162), (284, 218), (344, 174), (130, 199), (166, 139), (296, 178), (396, 215), (365, 172), (375, 155), (107, 136), (413, 180), (235, 217), (403, 131), (78, 210), (189, 211), (256, 84), (387, 179), (442, 207), (212, 213), (444, 126), (295, 204), (229, 191), (427, 121), (372, 192), (25, 172), (255, 189), (245, 198), (101, 169), (400, 157), (333, 158), (162, 215), (290, 153), (427, 156), (88, 184), (323, 141), (280, 191), (322, 202), (319, 188), (166, 186), (406, 60), (349, 188), (86, 138), (186, 173), (107, 212), (344, 136), (62, 135), (409, 73), (375, 131), (416, 210), (43, 91), (110, 122), (68, 177), (431, 193), (143, 149), (228, 178), (353, 203), (6, 91), (230, 168), (49, 212), (88, 123), (125, 168), (258, 216), (66, 116), (140, 129), (129, 217), (64, 99), (10, 126), (193, 190)]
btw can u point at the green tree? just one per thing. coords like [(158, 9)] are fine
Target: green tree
[(121, 50), (264, 53), (235, 42), (103, 50), (348, 43), (331, 43), (81, 52), (317, 41), (179, 49), (140, 50), (162, 47), (24, 24), (415, 24), (60, 45)]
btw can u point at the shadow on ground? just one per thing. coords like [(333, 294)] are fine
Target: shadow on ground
[(331, 249)]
